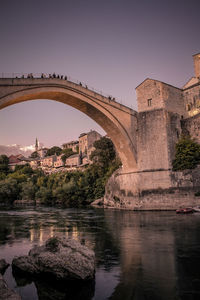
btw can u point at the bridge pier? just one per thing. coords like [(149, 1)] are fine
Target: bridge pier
[(153, 190)]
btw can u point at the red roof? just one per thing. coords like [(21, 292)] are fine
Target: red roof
[(16, 158)]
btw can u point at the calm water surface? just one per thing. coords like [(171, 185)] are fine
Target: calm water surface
[(139, 255)]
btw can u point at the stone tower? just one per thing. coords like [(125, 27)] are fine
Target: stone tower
[(36, 145), (196, 58)]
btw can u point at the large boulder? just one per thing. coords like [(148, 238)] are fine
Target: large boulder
[(6, 293), (3, 266), (60, 258)]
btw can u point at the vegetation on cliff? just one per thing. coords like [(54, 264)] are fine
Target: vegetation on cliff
[(72, 188), (187, 154)]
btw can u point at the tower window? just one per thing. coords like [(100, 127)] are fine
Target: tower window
[(149, 102)]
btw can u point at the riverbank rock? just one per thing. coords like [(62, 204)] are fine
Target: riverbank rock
[(3, 266), (97, 202), (6, 293), (63, 259)]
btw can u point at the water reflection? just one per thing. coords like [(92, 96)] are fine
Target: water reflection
[(51, 290), (139, 255)]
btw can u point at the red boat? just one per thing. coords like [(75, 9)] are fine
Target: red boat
[(186, 210)]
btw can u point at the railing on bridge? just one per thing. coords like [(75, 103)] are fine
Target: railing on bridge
[(57, 76)]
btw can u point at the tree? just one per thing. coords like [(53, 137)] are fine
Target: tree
[(104, 152), (66, 153), (24, 169), (4, 161), (34, 155), (28, 191), (9, 190), (54, 150), (187, 154), (44, 195)]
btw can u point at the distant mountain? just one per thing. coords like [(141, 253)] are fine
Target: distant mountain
[(17, 149)]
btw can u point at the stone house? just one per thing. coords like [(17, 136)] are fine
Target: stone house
[(74, 145), (59, 162), (48, 161), (17, 160), (86, 142), (84, 160), (42, 152), (34, 163), (73, 160)]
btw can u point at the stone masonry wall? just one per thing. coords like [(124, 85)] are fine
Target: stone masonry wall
[(154, 94), (152, 140), (191, 126), (173, 99), (177, 189), (192, 100), (174, 132), (149, 90)]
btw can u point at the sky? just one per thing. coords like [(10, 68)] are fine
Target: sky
[(111, 45)]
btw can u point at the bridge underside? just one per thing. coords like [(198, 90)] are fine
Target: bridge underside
[(115, 122)]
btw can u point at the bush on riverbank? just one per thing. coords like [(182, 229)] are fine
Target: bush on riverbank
[(70, 188)]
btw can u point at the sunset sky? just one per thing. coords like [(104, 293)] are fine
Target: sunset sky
[(111, 45)]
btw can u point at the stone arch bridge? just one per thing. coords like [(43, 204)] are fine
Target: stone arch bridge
[(118, 121)]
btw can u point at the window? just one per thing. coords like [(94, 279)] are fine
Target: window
[(149, 102)]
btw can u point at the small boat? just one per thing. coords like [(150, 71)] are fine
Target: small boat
[(185, 210), (196, 209)]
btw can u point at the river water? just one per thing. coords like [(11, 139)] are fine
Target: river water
[(139, 255)]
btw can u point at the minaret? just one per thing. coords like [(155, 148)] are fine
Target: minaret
[(36, 145)]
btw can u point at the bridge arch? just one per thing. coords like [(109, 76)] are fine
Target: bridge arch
[(111, 116)]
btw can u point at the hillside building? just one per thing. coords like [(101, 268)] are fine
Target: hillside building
[(42, 152), (73, 160), (74, 145), (86, 142), (59, 162), (17, 160), (48, 161)]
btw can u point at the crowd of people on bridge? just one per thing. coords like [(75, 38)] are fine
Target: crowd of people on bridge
[(30, 75)]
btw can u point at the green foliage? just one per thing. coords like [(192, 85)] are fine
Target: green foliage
[(2, 176), (66, 153), (9, 190), (54, 150), (104, 152), (18, 177), (4, 161), (77, 149), (73, 188), (28, 191), (24, 169), (187, 154), (44, 195), (34, 155)]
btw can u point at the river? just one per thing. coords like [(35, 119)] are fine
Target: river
[(139, 255)]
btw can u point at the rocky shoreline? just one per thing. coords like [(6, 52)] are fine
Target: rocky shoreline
[(59, 261)]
